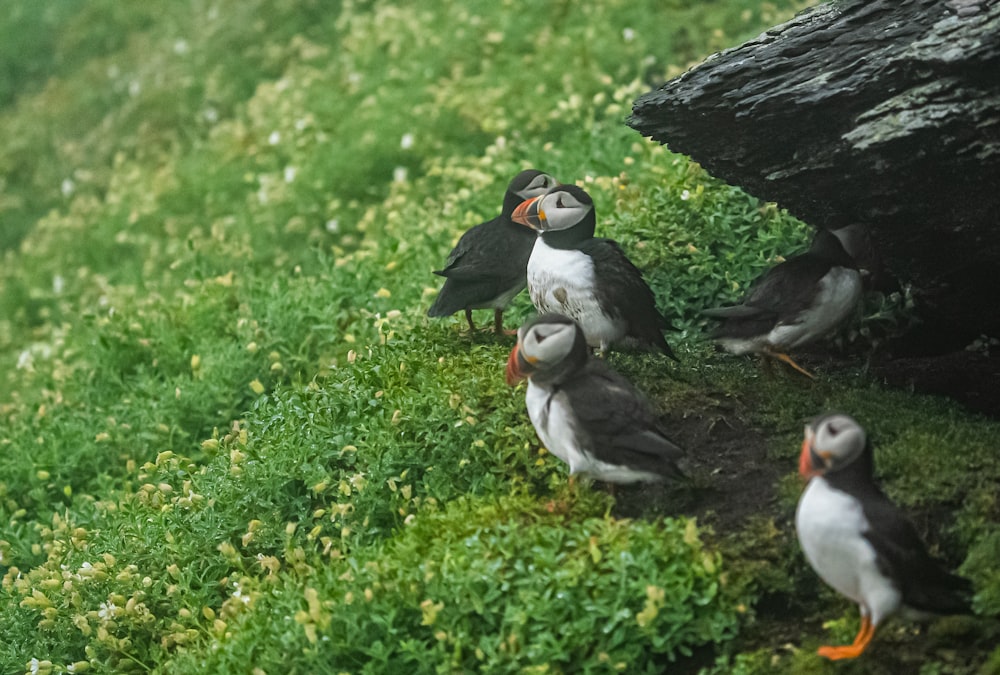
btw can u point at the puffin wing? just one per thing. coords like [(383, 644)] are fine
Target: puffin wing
[(629, 297), (790, 288), (620, 423), (902, 556), (779, 296), (629, 294), (472, 255)]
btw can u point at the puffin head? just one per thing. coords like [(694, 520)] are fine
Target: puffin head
[(560, 208), (546, 346), (831, 442), (831, 247), (526, 185)]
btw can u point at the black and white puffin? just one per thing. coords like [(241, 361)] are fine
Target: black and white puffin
[(487, 267), (859, 542), (799, 301), (585, 413), (590, 279)]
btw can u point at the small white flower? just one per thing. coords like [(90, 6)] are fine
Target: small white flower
[(58, 284), (406, 142), (180, 47), (685, 195), (24, 360), (333, 226), (107, 611), (67, 187), (211, 115), (33, 666), (274, 138), (134, 88), (399, 174), (628, 34), (290, 172)]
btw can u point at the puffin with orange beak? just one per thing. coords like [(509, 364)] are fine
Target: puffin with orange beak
[(859, 542), (798, 302), (486, 269), (588, 278), (585, 413)]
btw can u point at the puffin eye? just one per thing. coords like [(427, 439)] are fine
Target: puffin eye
[(559, 202)]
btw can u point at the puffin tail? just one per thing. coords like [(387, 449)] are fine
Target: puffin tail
[(444, 304), (945, 594)]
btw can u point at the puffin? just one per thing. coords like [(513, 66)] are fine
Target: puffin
[(799, 301), (585, 413), (487, 267), (859, 542), (588, 278)]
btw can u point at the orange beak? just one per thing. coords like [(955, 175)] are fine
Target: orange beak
[(514, 373), (806, 469), (529, 214), (518, 367), (811, 463)]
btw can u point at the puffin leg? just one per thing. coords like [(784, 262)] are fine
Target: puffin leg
[(498, 323), (468, 317), (788, 359), (853, 650)]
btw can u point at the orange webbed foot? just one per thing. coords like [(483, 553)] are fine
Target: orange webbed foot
[(788, 359), (853, 650)]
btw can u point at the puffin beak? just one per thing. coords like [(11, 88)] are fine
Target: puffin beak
[(518, 368), (529, 214), (514, 374), (812, 463), (806, 469)]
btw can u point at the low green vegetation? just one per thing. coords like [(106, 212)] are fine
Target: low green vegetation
[(230, 438)]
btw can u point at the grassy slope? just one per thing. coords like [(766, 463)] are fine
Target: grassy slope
[(231, 437)]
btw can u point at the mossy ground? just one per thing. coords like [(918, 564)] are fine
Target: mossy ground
[(232, 441)]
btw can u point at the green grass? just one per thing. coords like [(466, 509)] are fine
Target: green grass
[(231, 439)]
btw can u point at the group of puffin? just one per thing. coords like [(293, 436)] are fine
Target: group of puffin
[(590, 296)]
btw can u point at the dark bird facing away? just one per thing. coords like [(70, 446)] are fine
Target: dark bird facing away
[(802, 300), (488, 265)]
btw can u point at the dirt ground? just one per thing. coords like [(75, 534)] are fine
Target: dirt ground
[(972, 378)]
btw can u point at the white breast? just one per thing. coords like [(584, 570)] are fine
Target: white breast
[(838, 295), (556, 426), (830, 526), (564, 281)]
